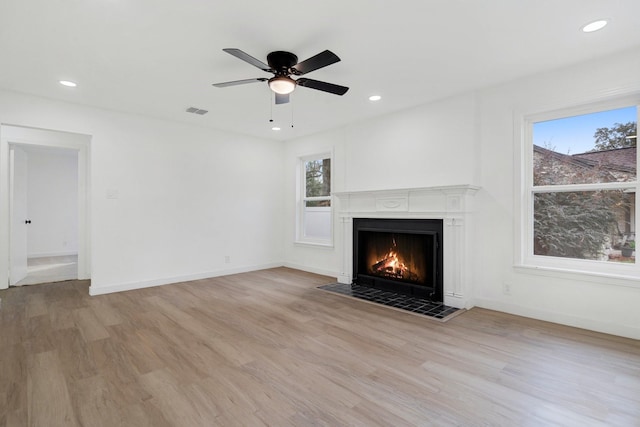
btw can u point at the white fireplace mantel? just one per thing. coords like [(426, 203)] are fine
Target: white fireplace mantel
[(453, 204)]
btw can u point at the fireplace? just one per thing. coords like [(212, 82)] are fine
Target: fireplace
[(400, 255), (451, 206)]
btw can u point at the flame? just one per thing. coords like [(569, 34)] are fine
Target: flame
[(390, 263)]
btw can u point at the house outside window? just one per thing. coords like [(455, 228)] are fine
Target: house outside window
[(581, 184), (315, 206)]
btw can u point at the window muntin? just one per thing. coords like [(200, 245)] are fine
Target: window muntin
[(582, 193)]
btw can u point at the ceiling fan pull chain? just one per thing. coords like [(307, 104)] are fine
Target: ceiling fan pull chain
[(271, 101), (292, 115)]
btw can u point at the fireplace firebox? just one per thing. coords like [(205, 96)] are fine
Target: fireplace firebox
[(399, 255)]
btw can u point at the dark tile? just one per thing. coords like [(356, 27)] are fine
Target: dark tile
[(404, 302)]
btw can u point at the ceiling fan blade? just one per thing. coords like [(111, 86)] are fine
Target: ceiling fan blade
[(247, 58), (282, 99), (240, 82), (323, 86), (315, 62)]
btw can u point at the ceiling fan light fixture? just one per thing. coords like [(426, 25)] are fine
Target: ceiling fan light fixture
[(282, 85)]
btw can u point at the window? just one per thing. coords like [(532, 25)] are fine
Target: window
[(315, 214), (581, 189)]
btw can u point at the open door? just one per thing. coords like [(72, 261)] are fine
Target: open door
[(18, 215)]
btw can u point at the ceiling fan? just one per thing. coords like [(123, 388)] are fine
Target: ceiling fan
[(283, 65)]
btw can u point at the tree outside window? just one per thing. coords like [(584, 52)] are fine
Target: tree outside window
[(318, 181)]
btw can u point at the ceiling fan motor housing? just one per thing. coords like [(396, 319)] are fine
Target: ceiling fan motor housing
[(281, 62)]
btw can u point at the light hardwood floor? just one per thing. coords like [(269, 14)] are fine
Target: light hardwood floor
[(268, 348)]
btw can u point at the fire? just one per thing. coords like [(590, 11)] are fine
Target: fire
[(390, 265), (398, 262)]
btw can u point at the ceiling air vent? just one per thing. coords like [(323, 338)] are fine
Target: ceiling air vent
[(195, 110)]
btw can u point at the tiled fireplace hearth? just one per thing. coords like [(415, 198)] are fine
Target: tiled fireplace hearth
[(452, 204)]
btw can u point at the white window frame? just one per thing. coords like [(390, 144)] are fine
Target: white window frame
[(579, 269), (302, 199)]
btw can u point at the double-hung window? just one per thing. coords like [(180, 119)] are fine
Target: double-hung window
[(580, 189), (314, 207)]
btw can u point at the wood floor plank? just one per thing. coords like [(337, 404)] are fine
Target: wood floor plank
[(106, 313), (36, 305), (113, 362), (75, 360), (13, 378), (268, 348), (95, 404), (61, 316), (89, 325), (40, 335), (144, 414), (48, 396), (175, 405)]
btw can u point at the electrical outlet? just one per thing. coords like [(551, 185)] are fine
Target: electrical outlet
[(227, 259), (506, 288)]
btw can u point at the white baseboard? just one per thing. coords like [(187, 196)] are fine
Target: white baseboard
[(308, 269), (597, 325), (107, 289), (50, 254)]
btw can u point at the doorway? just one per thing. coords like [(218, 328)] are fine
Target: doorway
[(46, 220), (44, 212)]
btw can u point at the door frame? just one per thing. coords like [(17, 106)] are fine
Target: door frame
[(78, 142), (18, 233)]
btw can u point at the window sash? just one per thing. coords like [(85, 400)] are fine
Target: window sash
[(524, 249), (303, 221), (581, 224)]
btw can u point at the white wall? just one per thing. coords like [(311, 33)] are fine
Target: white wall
[(469, 139), (431, 145), (187, 196), (52, 202), (598, 303)]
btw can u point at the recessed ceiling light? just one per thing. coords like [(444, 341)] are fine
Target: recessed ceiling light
[(594, 26), (275, 128), (375, 98), (68, 83)]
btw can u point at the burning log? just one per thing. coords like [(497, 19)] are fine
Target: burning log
[(385, 265), (390, 266)]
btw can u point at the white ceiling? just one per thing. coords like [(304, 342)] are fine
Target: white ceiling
[(158, 57)]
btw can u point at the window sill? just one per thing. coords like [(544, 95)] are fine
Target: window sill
[(325, 245), (627, 281)]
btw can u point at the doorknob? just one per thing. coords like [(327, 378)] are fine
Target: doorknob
[(28, 221)]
